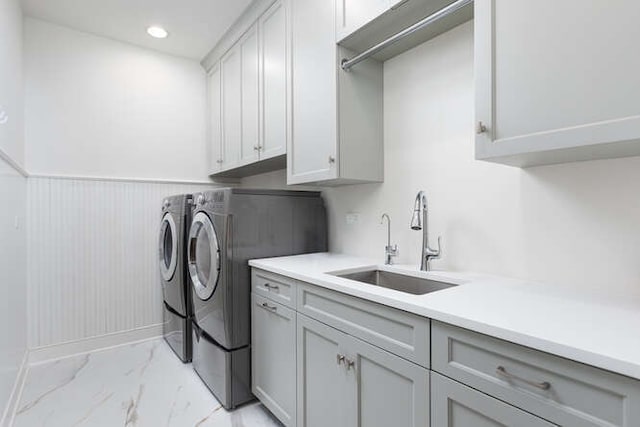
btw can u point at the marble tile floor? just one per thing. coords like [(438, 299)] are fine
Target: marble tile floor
[(141, 385)]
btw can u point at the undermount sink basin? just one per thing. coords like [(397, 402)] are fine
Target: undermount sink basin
[(398, 282)]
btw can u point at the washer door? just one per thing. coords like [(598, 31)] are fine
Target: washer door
[(168, 247), (204, 256)]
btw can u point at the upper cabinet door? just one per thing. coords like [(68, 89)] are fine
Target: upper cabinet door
[(556, 83), (250, 138), (215, 120), (312, 150), (275, 75), (353, 14), (231, 65)]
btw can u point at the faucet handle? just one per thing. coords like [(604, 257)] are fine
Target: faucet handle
[(438, 251)]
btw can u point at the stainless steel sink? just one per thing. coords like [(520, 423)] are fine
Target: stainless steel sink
[(398, 282)]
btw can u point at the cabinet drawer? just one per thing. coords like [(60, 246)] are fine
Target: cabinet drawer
[(396, 331), (562, 391), (456, 405), (275, 287)]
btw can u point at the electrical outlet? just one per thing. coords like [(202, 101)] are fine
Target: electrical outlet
[(353, 218)]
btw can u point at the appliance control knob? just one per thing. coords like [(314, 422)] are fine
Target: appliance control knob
[(166, 204), (200, 200)]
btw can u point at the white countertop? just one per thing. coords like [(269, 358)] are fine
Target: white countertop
[(595, 329)]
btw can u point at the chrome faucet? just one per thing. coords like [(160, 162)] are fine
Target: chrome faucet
[(419, 221), (389, 251)]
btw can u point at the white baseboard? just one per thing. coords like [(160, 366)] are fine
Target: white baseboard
[(12, 405), (102, 342)]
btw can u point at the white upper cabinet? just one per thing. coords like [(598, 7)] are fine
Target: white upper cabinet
[(275, 77), (556, 83), (337, 135), (250, 96), (231, 65), (253, 117), (215, 119)]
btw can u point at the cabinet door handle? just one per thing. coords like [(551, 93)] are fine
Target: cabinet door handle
[(481, 128), (501, 370), (269, 307), (219, 161), (350, 364), (339, 358), (332, 159), (270, 287)]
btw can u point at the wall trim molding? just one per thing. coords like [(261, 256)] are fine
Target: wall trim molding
[(16, 393), (15, 165), (122, 179), (102, 342)]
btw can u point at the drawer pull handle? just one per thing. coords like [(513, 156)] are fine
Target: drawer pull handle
[(501, 370), (269, 307), (339, 358), (269, 287)]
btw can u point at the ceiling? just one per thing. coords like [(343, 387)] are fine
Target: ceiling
[(194, 26)]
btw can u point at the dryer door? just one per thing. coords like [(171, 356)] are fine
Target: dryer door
[(168, 247), (204, 256)]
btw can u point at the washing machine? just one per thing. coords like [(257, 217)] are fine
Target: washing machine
[(176, 289), (228, 228)]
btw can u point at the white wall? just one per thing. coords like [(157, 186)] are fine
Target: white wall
[(11, 93), (98, 107), (574, 224), (93, 265), (13, 286)]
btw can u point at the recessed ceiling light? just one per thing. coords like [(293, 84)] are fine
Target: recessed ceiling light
[(157, 32)]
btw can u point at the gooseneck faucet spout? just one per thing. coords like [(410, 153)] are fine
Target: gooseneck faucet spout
[(389, 251), (420, 221)]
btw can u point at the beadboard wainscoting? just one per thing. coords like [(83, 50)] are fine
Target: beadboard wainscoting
[(92, 258)]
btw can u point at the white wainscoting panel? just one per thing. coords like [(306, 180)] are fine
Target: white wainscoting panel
[(92, 263)]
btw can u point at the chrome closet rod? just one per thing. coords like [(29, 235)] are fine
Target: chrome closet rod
[(434, 17)]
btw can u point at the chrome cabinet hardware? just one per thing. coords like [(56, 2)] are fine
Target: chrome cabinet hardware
[(501, 370), (255, 148), (350, 364), (219, 161), (340, 358), (481, 128), (270, 287), (332, 159), (269, 307)]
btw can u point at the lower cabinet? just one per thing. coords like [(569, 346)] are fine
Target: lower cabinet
[(273, 360), (343, 381), (456, 405)]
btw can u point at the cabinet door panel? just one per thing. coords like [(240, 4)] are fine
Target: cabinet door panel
[(273, 25), (250, 102), (215, 120), (274, 357), (456, 405), (231, 107), (390, 382), (314, 92), (556, 84), (325, 388)]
